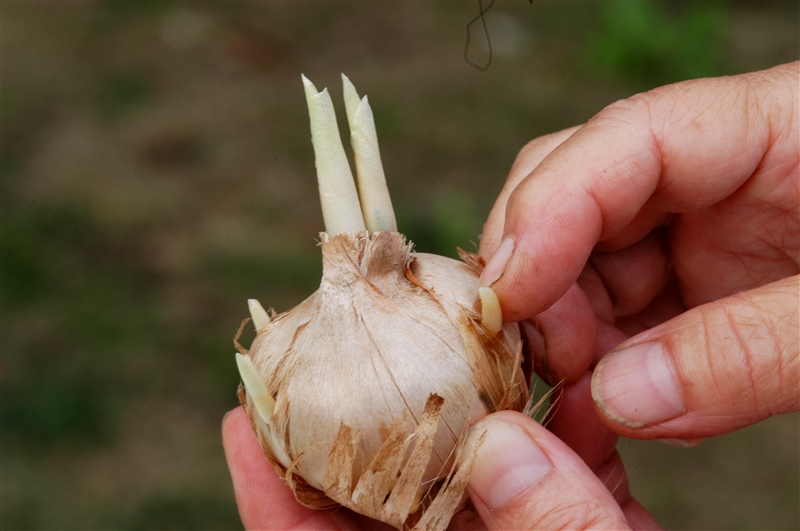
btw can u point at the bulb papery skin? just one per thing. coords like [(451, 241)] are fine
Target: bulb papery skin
[(388, 333)]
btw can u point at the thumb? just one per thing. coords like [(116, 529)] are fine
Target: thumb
[(526, 478), (711, 370)]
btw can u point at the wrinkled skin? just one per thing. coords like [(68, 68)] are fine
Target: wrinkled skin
[(671, 217)]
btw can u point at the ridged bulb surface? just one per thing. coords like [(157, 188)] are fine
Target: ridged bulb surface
[(385, 331)]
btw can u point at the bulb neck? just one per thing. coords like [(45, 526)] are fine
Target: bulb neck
[(358, 256)]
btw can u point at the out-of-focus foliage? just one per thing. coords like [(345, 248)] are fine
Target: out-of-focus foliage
[(157, 172), (654, 43)]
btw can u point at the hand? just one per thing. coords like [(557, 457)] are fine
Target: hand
[(264, 501), (567, 492), (672, 215), (684, 197)]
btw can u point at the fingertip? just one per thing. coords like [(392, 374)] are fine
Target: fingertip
[(639, 518), (508, 463), (576, 422), (492, 233), (612, 473), (526, 478), (676, 379), (682, 443), (232, 418), (245, 457), (263, 499), (638, 386), (526, 161), (496, 265), (550, 250), (570, 329), (238, 440), (632, 277)]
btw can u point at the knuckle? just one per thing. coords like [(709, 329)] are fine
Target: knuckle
[(556, 512), (754, 351), (585, 514)]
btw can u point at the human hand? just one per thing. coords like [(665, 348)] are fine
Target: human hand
[(672, 215), (729, 200), (264, 501), (564, 491)]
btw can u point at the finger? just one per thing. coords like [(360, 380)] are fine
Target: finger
[(264, 501), (608, 337), (641, 225), (675, 149), (714, 369), (528, 158), (612, 474), (739, 244), (526, 478), (569, 338), (666, 305), (591, 284), (575, 421), (638, 517), (633, 276)]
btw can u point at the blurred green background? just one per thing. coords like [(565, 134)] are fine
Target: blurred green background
[(157, 171)]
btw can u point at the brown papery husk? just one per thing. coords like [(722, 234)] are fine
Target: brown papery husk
[(377, 376)]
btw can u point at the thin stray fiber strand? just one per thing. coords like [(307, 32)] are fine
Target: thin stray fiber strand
[(438, 515)]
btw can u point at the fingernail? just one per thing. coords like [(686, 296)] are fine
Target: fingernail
[(508, 463), (638, 386), (497, 263)]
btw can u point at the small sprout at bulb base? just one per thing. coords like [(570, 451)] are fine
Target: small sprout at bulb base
[(360, 396), (256, 388), (258, 314)]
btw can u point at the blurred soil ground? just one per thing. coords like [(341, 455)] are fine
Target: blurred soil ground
[(157, 172)]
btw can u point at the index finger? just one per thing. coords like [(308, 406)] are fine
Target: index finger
[(528, 158), (675, 149)]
